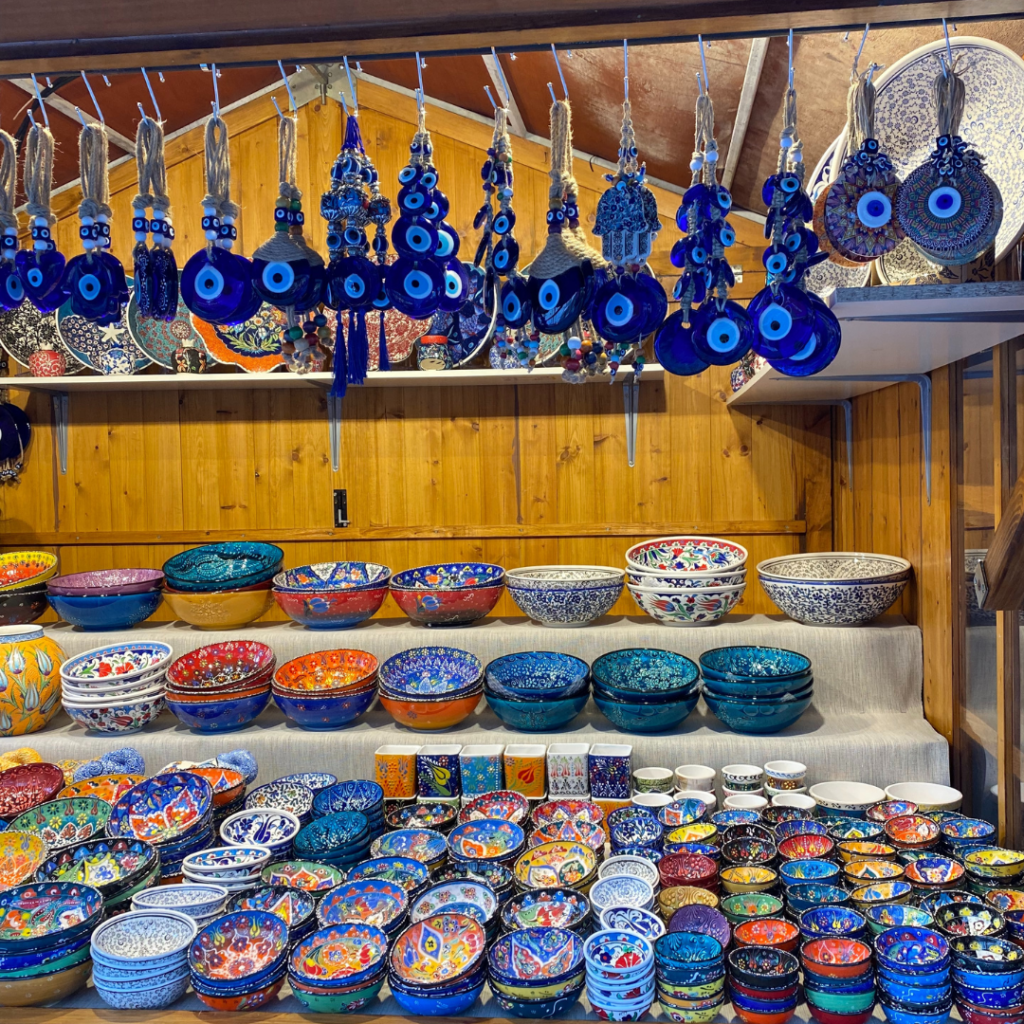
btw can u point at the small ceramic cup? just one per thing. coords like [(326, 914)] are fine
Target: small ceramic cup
[(395, 768), (653, 800), (755, 791), (567, 770), (482, 768), (695, 776), (653, 780), (524, 768), (785, 774), (745, 802), (611, 770), (799, 800), (742, 776), (438, 772), (697, 794)]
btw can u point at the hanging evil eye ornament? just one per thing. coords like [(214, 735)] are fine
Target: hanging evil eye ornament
[(673, 346), (948, 207), (155, 271), (216, 283), (722, 332), (95, 281), (41, 268), (821, 346), (12, 291)]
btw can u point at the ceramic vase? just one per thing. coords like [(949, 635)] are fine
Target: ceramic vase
[(29, 679)]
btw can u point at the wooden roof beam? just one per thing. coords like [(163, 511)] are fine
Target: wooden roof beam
[(748, 93), (516, 124), (59, 103)]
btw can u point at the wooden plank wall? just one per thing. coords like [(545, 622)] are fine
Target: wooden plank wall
[(514, 475)]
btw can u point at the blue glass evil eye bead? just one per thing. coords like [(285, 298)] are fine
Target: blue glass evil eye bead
[(457, 287), (278, 282), (655, 301), (415, 238), (353, 282), (781, 320), (505, 255), (515, 302), (619, 310), (673, 347), (42, 275), (12, 291), (89, 286), (415, 287), (216, 285), (557, 301), (414, 200), (447, 242), (721, 336), (820, 349), (410, 174), (504, 222), (439, 207)]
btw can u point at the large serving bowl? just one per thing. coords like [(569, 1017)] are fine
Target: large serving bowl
[(536, 675), (426, 673), (929, 796), (23, 605), (431, 715), (96, 614), (673, 580), (686, 554), (326, 689), (687, 606), (541, 715), (564, 595), (445, 607), (219, 609), (646, 718), (106, 582), (20, 569), (223, 714), (759, 716), (224, 566), (331, 609), (846, 798), (117, 716), (330, 577), (332, 711)]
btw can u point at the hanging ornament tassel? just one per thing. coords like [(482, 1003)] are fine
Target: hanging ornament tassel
[(358, 346), (12, 291), (340, 382), (165, 266), (384, 360)]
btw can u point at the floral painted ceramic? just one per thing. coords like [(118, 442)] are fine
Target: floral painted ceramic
[(372, 901), (21, 855), (281, 796), (65, 822), (430, 671), (645, 670), (293, 906), (143, 935), (463, 897), (326, 671), (420, 844), (339, 955), (238, 946), (449, 576), (566, 810), (883, 892), (570, 831), (102, 787), (262, 827), (27, 785), (162, 808), (1005, 899), (324, 576), (612, 953), (25, 568), (302, 874), (911, 830), (536, 955), (101, 863), (49, 910), (682, 812), (555, 864), (351, 795), (118, 718), (408, 873), (545, 908), (687, 607), (343, 833), (506, 803), (433, 816), (437, 949), (218, 665), (30, 665), (486, 839), (621, 891), (227, 784), (934, 871), (128, 660), (229, 565), (687, 554)]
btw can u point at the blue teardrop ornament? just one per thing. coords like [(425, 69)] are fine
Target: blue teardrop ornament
[(673, 348), (42, 275), (456, 287)]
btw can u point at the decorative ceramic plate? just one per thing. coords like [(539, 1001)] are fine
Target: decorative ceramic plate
[(408, 873), (536, 955), (303, 874), (21, 855), (430, 671), (238, 946), (108, 350), (65, 822), (555, 864), (255, 346), (162, 808), (422, 844), (26, 785), (102, 864), (51, 910), (293, 906), (400, 333), (504, 803), (281, 796), (158, 339), (439, 949), (367, 901), (475, 324), (25, 329)]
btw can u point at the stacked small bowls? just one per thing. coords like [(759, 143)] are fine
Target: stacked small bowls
[(326, 689), (221, 687), (645, 689), (332, 595), (834, 588), (690, 977), (620, 974), (339, 969), (913, 982), (353, 795), (116, 688), (686, 581), (474, 899), (431, 688), (448, 593), (763, 984), (118, 868), (565, 595), (839, 980), (230, 867), (756, 689), (988, 980), (282, 795), (202, 901), (222, 586), (140, 959), (106, 599), (23, 578), (262, 827), (424, 845), (341, 839), (536, 972), (537, 691)]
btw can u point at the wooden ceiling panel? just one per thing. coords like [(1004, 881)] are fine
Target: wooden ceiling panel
[(458, 80)]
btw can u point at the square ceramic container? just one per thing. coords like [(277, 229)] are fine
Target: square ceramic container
[(524, 768), (482, 769), (396, 771), (611, 770), (653, 780), (568, 773), (695, 776), (438, 772)]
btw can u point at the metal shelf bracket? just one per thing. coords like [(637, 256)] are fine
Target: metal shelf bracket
[(60, 418), (334, 428)]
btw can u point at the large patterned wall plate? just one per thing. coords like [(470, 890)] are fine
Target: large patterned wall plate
[(476, 324), (24, 329), (255, 346), (159, 338), (108, 350)]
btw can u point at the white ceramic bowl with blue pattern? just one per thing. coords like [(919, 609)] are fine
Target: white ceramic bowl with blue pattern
[(694, 607), (565, 595)]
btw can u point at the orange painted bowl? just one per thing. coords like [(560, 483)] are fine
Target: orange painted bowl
[(102, 787), (220, 609), (44, 989), (250, 1001), (330, 609), (767, 931), (20, 569), (228, 785), (430, 716), (835, 957), (775, 1017), (806, 847), (859, 849), (325, 673), (860, 872)]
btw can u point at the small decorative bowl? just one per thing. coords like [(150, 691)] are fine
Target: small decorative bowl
[(318, 713), (19, 607), (687, 607), (686, 554), (431, 716), (332, 577), (114, 717), (96, 614), (224, 715), (444, 607)]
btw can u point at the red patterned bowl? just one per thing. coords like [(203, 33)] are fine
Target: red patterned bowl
[(836, 957), (27, 785), (330, 609), (447, 607), (250, 1001), (687, 869), (828, 1017), (806, 847), (324, 673), (767, 931), (218, 666)]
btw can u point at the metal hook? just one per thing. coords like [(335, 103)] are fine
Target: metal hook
[(152, 95), (142, 111), (287, 85), (860, 49), (273, 99), (558, 64), (487, 89), (791, 58), (344, 105), (92, 96), (419, 75), (501, 75), (81, 117), (42, 105), (949, 49), (554, 98), (700, 84), (216, 91), (625, 67), (351, 88), (704, 63)]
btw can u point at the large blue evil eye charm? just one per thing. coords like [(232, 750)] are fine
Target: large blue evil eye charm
[(12, 291), (447, 242), (504, 222), (216, 285), (673, 348), (415, 287), (415, 238), (120, 293), (505, 255), (457, 288), (414, 200), (89, 287), (618, 310), (42, 274), (655, 302), (515, 302), (820, 349), (410, 174), (557, 301), (353, 282), (781, 320), (280, 283), (439, 206), (721, 336)]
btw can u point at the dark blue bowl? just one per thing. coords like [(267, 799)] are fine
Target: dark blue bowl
[(901, 1015), (742, 664), (758, 688), (539, 715), (743, 1002), (222, 715), (428, 1004), (991, 999), (225, 566), (983, 979), (923, 980), (796, 872), (536, 675), (644, 718), (807, 895), (919, 996), (838, 986), (106, 613), (819, 922), (757, 719), (322, 713), (644, 671), (799, 827)]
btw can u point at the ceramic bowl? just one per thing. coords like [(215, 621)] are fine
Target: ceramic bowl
[(228, 664), (21, 855), (223, 566), (247, 945), (117, 717), (431, 716), (18, 607), (554, 907), (430, 672), (556, 864), (687, 607), (316, 713), (224, 715), (27, 785), (98, 614), (663, 580), (794, 872), (44, 989), (443, 606), (331, 609), (762, 717), (308, 875), (374, 901), (219, 609), (459, 946), (747, 879), (838, 604), (22, 569), (162, 809), (822, 921), (36, 916), (117, 663), (536, 675), (569, 595), (757, 689), (846, 797), (543, 715), (928, 796), (686, 554), (330, 577), (106, 582), (326, 673)]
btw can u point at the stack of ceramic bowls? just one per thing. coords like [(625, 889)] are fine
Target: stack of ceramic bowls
[(961, 835), (913, 983), (44, 941), (275, 830), (202, 901), (689, 869), (326, 689), (690, 977), (172, 811), (621, 891), (487, 839), (296, 907), (839, 980), (420, 844), (23, 577), (449, 593), (645, 689), (239, 960), (438, 816), (756, 689), (676, 896), (565, 595), (784, 777), (412, 875), (537, 691), (118, 868), (228, 790), (117, 688), (827, 921), (620, 974), (559, 863), (683, 581), (992, 867), (106, 599), (140, 959), (341, 839), (221, 687), (763, 984), (438, 966), (374, 901), (353, 795), (282, 795), (548, 908), (431, 688), (988, 980), (475, 899), (497, 876), (221, 586), (631, 864), (232, 867), (536, 972), (634, 826), (332, 595), (834, 588), (339, 969)]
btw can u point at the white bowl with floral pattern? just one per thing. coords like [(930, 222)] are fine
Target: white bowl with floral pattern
[(696, 607)]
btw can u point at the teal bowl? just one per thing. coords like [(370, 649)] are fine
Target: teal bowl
[(350, 1002), (833, 1002), (537, 715), (644, 718)]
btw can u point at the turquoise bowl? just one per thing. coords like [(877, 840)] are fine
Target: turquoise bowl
[(537, 715), (644, 718)]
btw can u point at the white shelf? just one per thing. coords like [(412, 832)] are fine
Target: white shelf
[(897, 331)]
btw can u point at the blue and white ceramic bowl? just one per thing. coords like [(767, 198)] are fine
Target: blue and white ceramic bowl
[(745, 663), (270, 828), (430, 672), (687, 607), (329, 576), (565, 595), (538, 675), (621, 891), (641, 671)]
